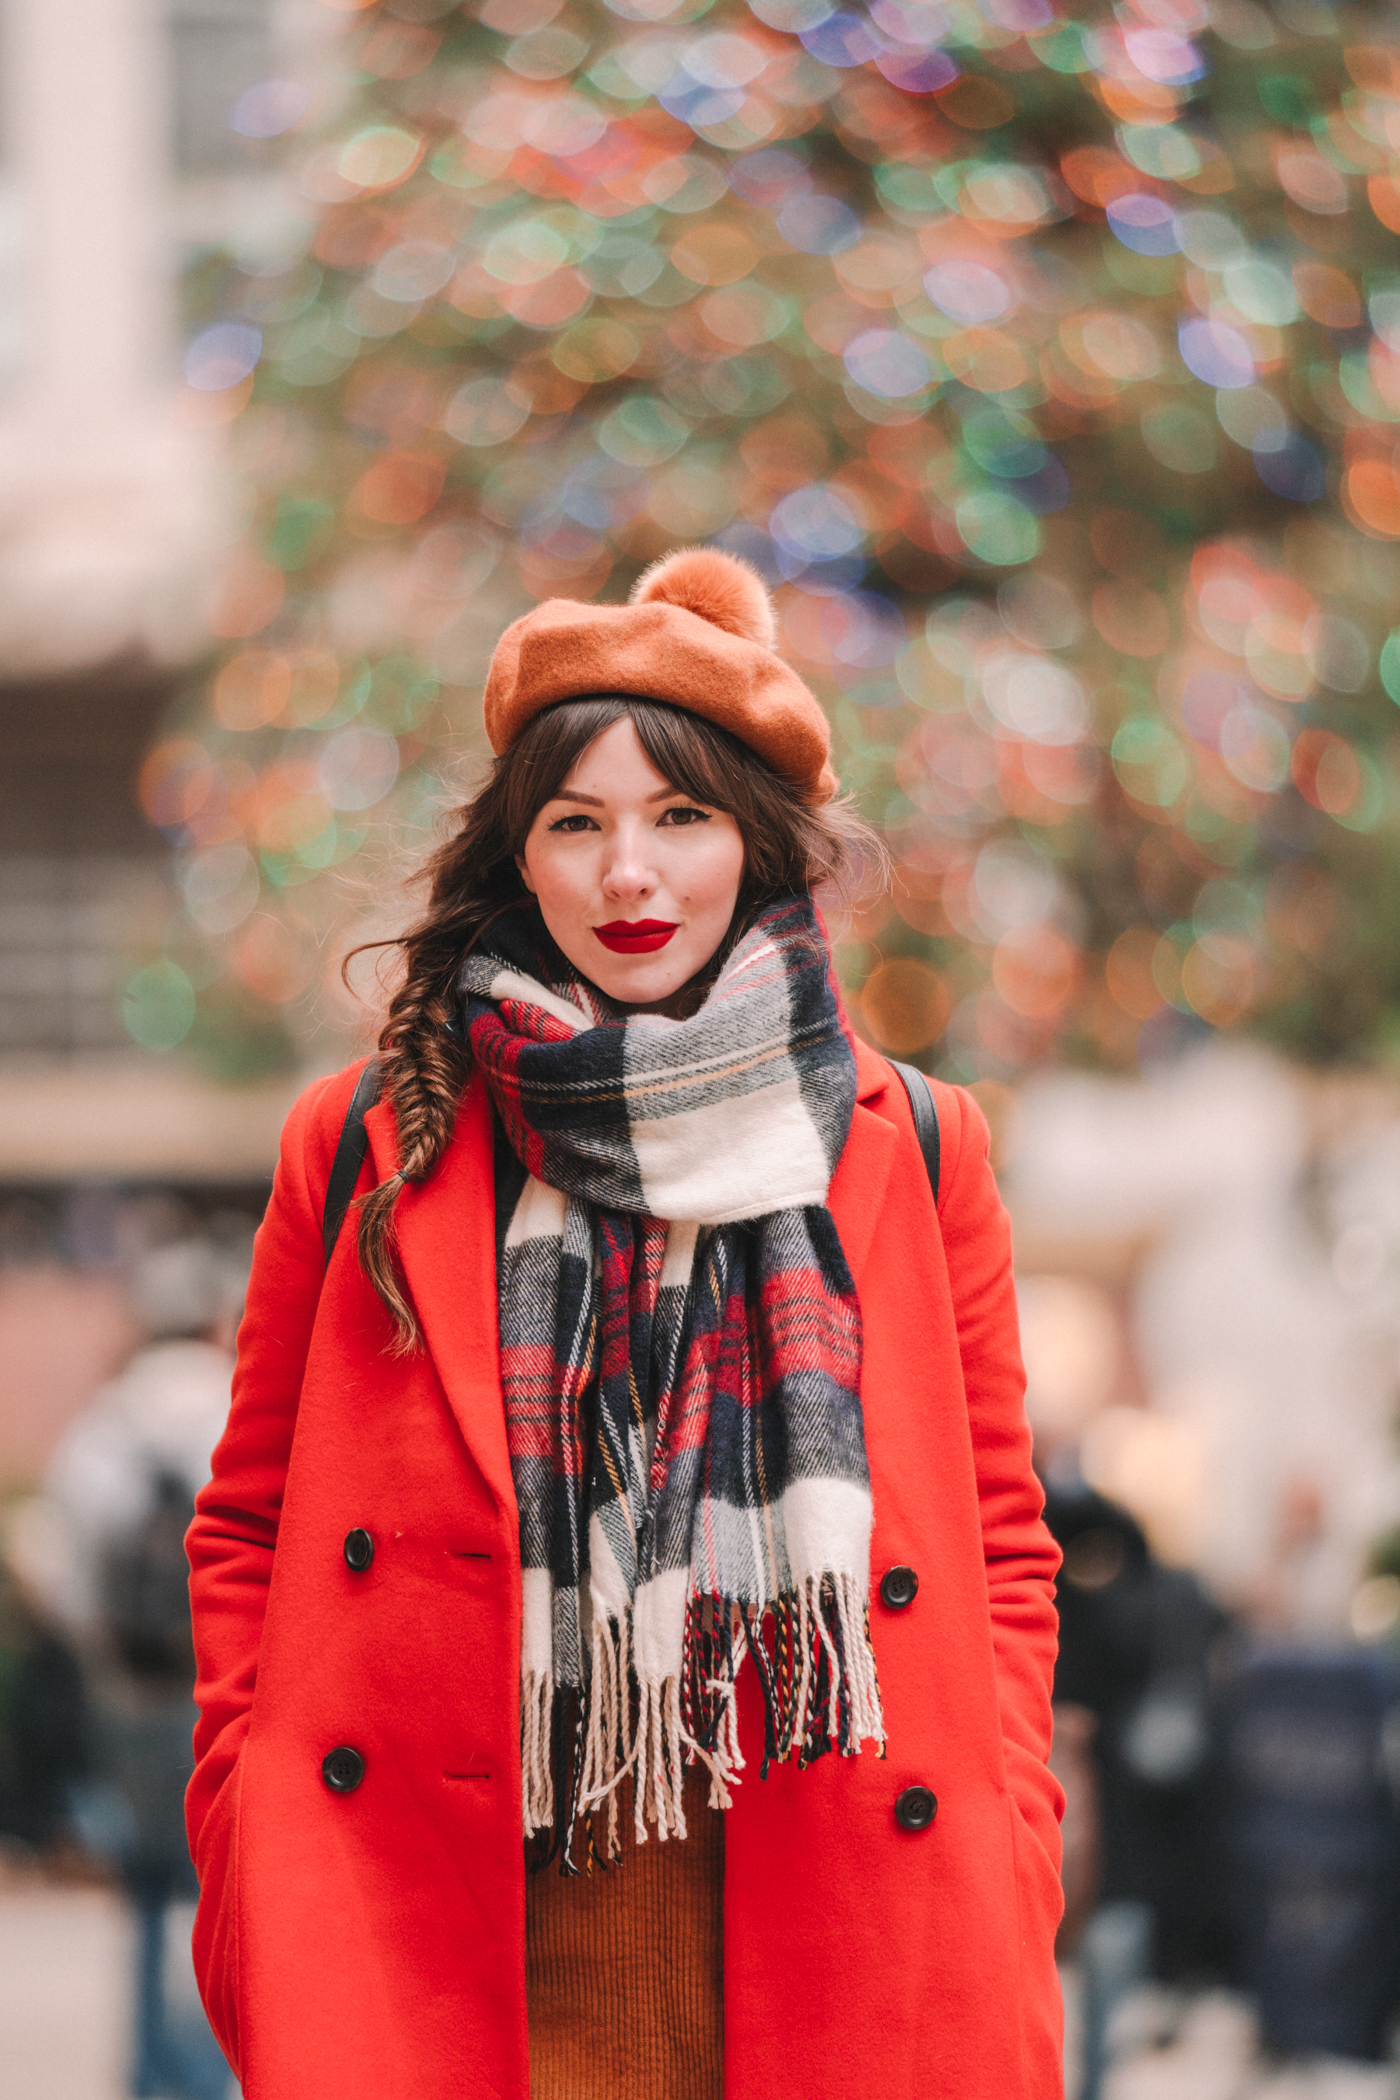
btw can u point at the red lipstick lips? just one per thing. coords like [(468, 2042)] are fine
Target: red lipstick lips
[(635, 936)]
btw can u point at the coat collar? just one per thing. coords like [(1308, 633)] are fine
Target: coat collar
[(872, 1073), (446, 1232), (858, 1185)]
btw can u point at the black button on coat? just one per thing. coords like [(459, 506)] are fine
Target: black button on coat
[(898, 1586), (344, 1768), (915, 1808)]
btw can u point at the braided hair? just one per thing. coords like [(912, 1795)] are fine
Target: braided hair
[(472, 877)]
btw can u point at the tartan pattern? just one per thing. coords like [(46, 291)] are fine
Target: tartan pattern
[(680, 1357)]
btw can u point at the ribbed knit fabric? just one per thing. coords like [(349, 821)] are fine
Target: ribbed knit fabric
[(624, 1969)]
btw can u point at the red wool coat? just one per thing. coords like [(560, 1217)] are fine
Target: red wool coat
[(370, 1945)]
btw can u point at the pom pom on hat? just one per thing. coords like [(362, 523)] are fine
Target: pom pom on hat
[(718, 587), (697, 633)]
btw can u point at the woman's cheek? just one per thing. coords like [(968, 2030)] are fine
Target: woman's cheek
[(711, 877), (563, 880)]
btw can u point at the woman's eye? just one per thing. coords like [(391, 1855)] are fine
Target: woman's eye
[(576, 822), (685, 815)]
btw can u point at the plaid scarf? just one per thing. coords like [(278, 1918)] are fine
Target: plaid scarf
[(680, 1357)]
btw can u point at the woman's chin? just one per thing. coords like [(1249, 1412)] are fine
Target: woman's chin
[(637, 983), (643, 980)]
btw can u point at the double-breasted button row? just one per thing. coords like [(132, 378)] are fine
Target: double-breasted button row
[(342, 1769), (914, 1809), (899, 1586)]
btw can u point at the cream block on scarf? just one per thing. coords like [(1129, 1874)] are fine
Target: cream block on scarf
[(738, 1157), (658, 1625), (539, 1214), (827, 1524), (608, 1588), (536, 1623), (528, 991), (817, 1526), (680, 1254)]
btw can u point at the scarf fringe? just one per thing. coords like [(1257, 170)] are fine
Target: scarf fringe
[(821, 1692), (537, 1751)]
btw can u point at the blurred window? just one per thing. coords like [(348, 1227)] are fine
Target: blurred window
[(66, 926), (219, 48), (85, 888)]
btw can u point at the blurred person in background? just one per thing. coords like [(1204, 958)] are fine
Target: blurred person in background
[(121, 1487), (1134, 1730), (1311, 1735), (1301, 1589), (1313, 1840), (44, 1731)]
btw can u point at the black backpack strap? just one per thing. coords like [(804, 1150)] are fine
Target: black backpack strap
[(925, 1118), (349, 1156)]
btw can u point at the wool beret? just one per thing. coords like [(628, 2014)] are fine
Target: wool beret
[(697, 633)]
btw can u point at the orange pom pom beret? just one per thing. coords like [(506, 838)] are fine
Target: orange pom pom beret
[(699, 634)]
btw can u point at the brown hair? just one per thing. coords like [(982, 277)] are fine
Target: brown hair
[(472, 877)]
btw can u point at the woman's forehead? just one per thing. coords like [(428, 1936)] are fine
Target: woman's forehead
[(615, 766)]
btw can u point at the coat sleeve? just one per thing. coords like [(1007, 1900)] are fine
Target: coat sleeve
[(232, 1539), (1020, 1556)]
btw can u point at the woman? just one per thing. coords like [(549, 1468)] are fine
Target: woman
[(547, 1518)]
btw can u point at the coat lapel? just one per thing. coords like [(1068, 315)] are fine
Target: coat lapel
[(446, 1229), (858, 1185)]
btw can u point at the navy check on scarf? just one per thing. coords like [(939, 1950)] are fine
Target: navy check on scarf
[(680, 1356)]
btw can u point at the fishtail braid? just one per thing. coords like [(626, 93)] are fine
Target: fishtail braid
[(423, 1068)]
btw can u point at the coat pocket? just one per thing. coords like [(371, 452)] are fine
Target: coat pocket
[(215, 1942), (1039, 1905)]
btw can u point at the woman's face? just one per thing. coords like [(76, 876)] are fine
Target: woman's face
[(637, 883)]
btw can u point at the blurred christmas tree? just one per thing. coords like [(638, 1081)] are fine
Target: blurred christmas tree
[(1048, 364)]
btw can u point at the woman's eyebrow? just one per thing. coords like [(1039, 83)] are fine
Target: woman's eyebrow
[(595, 801)]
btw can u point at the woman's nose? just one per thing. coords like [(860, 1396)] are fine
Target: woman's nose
[(627, 873)]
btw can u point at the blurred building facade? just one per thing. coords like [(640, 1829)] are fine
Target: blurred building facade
[(119, 170)]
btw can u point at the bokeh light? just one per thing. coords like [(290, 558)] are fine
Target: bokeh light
[(1047, 365)]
